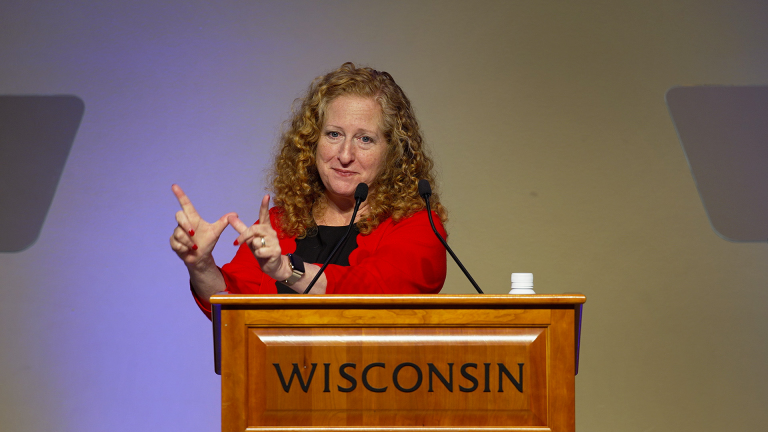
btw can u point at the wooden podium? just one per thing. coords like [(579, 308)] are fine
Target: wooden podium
[(402, 362)]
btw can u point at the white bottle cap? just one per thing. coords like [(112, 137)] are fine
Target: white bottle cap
[(522, 280), (522, 283)]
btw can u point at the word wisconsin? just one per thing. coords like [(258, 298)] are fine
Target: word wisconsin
[(468, 371)]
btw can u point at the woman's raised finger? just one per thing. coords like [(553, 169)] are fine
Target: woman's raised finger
[(264, 212), (186, 205), (183, 221)]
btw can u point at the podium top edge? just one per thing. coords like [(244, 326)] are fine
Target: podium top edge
[(397, 300)]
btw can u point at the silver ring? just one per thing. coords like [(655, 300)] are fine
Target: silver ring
[(263, 243)]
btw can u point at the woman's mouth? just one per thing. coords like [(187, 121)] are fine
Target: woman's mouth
[(344, 173)]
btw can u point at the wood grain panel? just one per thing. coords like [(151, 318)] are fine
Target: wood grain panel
[(399, 429), (562, 380), (397, 317), (292, 301), (389, 358), (233, 372)]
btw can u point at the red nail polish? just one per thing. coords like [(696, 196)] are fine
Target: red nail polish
[(191, 233), (236, 242), (194, 247)]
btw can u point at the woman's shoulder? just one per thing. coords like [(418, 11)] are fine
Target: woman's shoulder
[(420, 217), (410, 230)]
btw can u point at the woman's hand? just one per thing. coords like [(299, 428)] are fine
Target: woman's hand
[(262, 239), (193, 239)]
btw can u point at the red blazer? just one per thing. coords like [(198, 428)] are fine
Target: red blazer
[(395, 258)]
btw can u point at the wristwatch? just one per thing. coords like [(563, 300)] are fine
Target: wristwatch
[(297, 267)]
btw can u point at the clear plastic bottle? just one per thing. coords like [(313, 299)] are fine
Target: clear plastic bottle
[(522, 283)]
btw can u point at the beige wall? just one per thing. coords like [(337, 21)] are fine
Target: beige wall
[(557, 156)]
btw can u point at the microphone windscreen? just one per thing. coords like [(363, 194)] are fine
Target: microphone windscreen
[(424, 188), (361, 192)]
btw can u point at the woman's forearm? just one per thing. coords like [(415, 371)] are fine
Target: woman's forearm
[(206, 279)]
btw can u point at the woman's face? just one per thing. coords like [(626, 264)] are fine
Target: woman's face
[(352, 147)]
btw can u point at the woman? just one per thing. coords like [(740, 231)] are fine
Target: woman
[(354, 125)]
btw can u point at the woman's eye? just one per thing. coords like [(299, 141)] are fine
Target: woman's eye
[(334, 134), (366, 139)]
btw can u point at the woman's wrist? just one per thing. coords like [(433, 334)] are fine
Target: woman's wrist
[(284, 271), (202, 265)]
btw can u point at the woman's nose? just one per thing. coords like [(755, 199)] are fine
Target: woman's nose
[(347, 152)]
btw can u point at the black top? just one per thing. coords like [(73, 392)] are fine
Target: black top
[(315, 248)]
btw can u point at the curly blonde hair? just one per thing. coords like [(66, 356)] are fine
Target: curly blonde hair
[(394, 193)]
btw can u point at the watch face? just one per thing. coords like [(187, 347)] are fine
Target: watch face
[(297, 263)]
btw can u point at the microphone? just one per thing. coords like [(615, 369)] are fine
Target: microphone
[(426, 191), (361, 193)]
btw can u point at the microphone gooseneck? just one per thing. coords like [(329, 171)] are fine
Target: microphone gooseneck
[(361, 193), (426, 191)]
